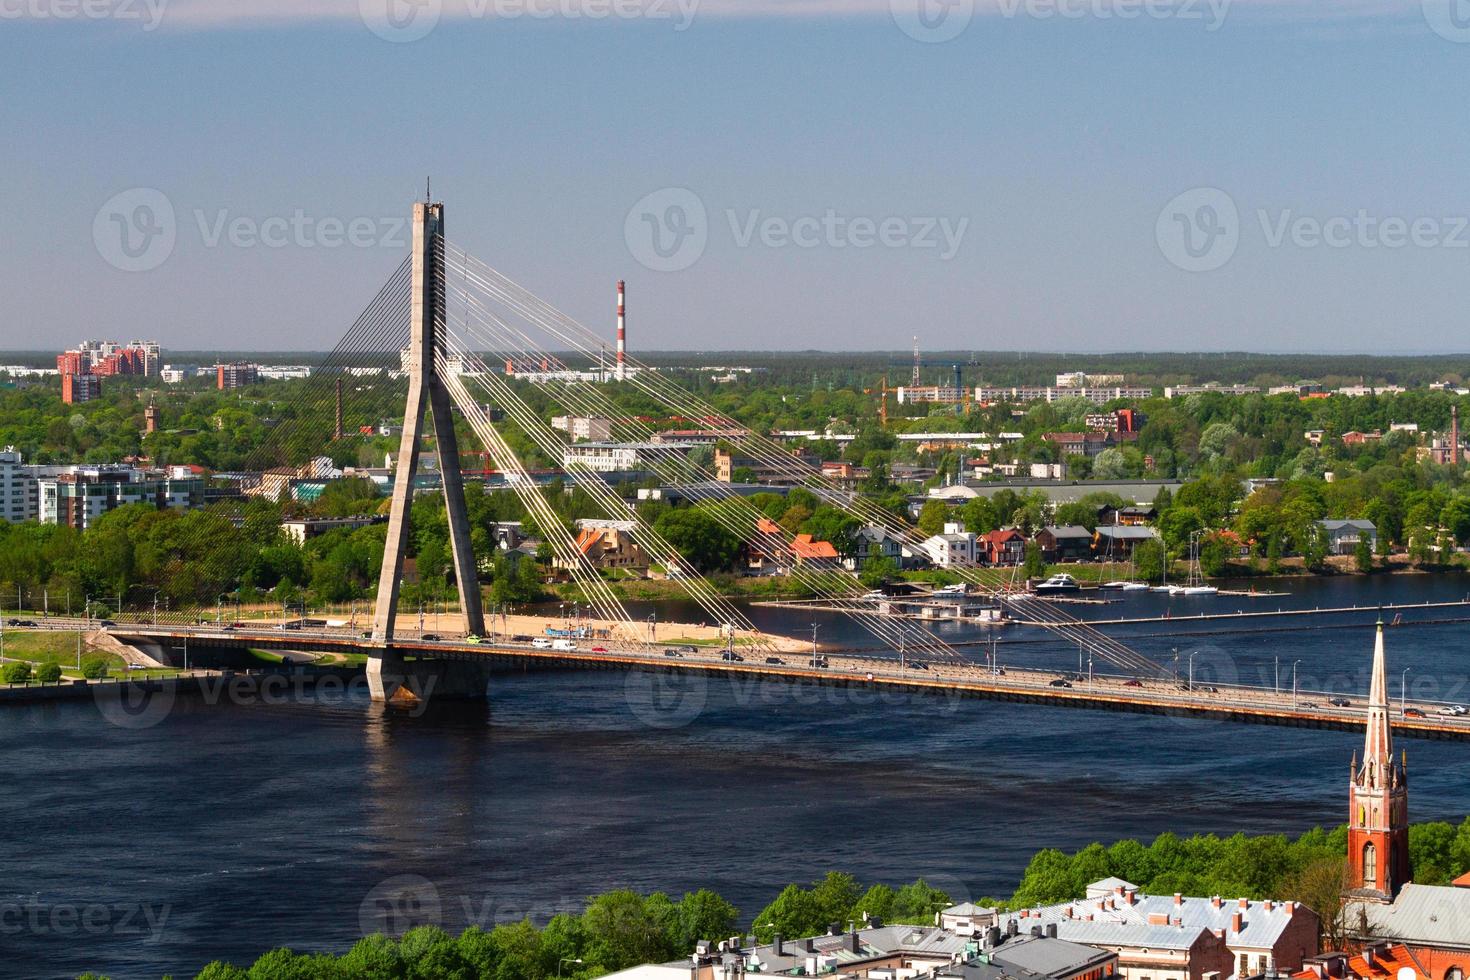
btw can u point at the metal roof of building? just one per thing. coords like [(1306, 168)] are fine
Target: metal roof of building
[(1430, 914)]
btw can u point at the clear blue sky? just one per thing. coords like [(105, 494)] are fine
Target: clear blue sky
[(1057, 142)]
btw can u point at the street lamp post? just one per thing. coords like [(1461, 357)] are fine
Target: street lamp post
[(1404, 690), (814, 644), (1191, 670), (565, 960), (1276, 685), (1293, 683)]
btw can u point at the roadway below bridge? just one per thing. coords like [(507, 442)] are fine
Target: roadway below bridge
[(1246, 704)]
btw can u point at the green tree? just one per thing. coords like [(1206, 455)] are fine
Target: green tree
[(699, 538), (918, 902), (1148, 560), (48, 673), (16, 673), (94, 668), (1363, 555), (932, 517), (878, 570), (1034, 563)]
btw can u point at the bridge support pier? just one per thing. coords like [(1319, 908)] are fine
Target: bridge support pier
[(398, 681)]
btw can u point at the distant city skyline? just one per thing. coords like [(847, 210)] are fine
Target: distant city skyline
[(824, 175)]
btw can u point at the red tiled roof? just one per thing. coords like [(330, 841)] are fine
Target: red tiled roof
[(805, 547)]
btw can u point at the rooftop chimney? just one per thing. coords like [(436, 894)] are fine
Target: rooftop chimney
[(777, 948), (1178, 899), (1235, 923), (1245, 903)]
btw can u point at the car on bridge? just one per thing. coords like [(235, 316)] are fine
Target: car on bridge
[(672, 653), (774, 660), (1413, 713), (1340, 702), (472, 639), (917, 665), (541, 643), (1133, 682), (519, 638), (1060, 682), (732, 656), (430, 638), (820, 662), (1453, 709), (108, 624)]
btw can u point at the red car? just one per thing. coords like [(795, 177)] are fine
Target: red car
[(599, 649), (1133, 683), (1413, 713)]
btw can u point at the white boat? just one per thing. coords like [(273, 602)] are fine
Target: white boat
[(1133, 586), (1199, 590), (958, 589), (1061, 582), (1170, 589)]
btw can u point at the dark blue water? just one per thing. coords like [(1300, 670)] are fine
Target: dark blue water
[(224, 830)]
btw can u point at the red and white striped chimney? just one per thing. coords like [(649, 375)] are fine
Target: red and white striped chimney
[(622, 328)]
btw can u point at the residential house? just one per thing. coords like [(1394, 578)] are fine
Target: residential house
[(1343, 536), (874, 540), (1174, 937), (1006, 546), (1133, 514), (609, 545), (954, 547), (1115, 542), (1067, 542)]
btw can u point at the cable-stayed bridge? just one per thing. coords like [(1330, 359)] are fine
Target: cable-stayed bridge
[(456, 320)]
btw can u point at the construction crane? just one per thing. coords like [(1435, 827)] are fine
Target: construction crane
[(883, 389)]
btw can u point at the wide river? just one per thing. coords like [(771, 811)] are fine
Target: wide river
[(223, 830)]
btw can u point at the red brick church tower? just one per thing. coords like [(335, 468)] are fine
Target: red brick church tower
[(1378, 819)]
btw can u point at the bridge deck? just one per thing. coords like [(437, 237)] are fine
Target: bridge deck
[(1244, 704)]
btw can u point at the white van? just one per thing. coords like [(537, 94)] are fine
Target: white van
[(541, 643), (565, 645)]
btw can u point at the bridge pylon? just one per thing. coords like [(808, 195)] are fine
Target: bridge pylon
[(426, 393)]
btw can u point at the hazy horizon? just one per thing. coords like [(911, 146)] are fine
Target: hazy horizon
[(1281, 176)]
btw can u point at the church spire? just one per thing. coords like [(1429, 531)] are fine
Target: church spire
[(1378, 745), (1378, 824)]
